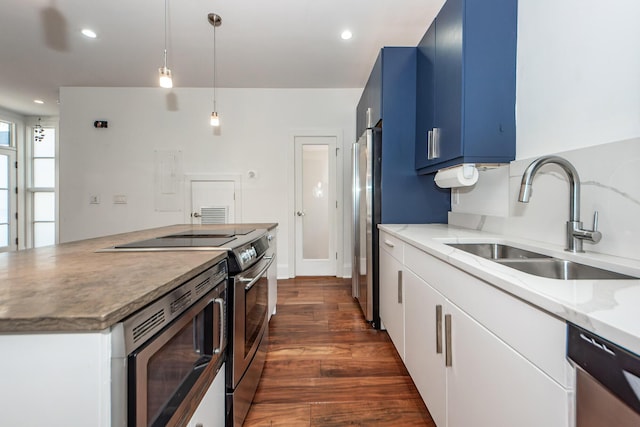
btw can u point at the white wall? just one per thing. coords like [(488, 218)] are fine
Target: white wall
[(256, 134), (578, 74), (578, 95)]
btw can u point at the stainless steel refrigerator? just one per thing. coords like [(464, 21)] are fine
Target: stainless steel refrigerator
[(366, 156)]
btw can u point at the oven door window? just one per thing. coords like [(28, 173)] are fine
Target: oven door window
[(166, 369), (256, 300)]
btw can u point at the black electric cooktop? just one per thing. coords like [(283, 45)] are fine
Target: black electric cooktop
[(200, 234), (179, 242), (190, 239)]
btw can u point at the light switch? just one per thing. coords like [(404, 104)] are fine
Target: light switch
[(94, 200)]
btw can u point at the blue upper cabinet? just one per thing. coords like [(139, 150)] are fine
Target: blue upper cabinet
[(371, 99), (390, 93), (466, 85)]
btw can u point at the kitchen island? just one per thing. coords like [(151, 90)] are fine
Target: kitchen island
[(57, 307)]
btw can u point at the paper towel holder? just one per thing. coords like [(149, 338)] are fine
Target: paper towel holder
[(462, 175)]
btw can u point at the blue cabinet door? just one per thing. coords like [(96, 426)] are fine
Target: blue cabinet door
[(448, 81), (471, 58), (425, 95), (371, 99)]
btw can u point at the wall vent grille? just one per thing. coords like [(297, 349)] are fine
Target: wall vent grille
[(214, 215)]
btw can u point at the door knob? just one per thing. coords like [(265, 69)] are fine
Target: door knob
[(196, 215), (300, 213)]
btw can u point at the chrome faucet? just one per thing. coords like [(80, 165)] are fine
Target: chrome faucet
[(575, 233)]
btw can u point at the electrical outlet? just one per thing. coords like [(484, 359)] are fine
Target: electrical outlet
[(120, 199), (94, 200), (455, 196)]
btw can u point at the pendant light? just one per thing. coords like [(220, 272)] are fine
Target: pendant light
[(216, 21), (166, 80), (38, 131)]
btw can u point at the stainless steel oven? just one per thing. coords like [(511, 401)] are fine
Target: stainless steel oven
[(248, 327), (165, 356)]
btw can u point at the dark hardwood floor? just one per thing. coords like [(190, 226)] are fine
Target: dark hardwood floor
[(327, 367)]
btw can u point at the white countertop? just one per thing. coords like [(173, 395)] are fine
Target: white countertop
[(608, 308)]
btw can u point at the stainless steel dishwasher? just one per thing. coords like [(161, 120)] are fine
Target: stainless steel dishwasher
[(607, 381)]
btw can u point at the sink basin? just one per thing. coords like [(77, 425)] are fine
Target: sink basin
[(496, 251), (538, 264), (562, 269)]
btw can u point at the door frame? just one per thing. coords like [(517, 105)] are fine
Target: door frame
[(237, 180), (339, 181)]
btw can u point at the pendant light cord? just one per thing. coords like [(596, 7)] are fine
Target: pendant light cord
[(214, 68), (166, 12)]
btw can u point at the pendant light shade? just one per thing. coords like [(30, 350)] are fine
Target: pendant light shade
[(215, 120), (165, 79), (215, 20)]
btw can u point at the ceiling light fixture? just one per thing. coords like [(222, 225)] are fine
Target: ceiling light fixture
[(216, 21), (38, 101), (346, 35), (166, 80), (89, 33)]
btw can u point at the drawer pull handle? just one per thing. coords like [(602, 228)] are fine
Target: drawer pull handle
[(400, 287), (448, 357), (389, 243), (438, 329)]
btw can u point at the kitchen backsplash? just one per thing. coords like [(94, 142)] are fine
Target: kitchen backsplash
[(610, 184)]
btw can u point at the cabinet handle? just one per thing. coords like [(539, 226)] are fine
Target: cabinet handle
[(448, 359), (389, 243), (438, 329), (433, 144), (400, 287)]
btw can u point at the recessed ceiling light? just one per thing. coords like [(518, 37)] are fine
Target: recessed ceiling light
[(38, 101), (346, 35), (89, 33)]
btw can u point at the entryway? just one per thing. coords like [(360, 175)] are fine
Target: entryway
[(316, 205)]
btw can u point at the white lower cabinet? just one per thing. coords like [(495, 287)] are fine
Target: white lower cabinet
[(392, 299), (210, 412), (424, 344), (490, 384), (471, 366)]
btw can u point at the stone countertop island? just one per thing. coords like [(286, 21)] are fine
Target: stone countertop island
[(71, 287)]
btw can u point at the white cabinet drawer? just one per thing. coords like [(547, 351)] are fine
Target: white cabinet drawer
[(392, 245)]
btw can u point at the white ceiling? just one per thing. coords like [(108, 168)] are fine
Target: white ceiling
[(266, 44)]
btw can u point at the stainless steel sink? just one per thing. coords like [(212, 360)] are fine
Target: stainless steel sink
[(538, 264), (496, 251), (562, 269)]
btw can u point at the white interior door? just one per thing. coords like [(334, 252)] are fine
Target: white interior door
[(213, 202), (315, 205), (8, 202)]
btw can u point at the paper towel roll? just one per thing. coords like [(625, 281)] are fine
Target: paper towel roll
[(457, 176)]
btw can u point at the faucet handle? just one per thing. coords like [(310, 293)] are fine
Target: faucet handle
[(595, 235)]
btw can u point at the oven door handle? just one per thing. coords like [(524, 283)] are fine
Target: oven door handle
[(252, 281), (221, 347)]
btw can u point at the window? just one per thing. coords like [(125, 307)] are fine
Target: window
[(5, 134), (7, 186), (4, 201), (43, 187)]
